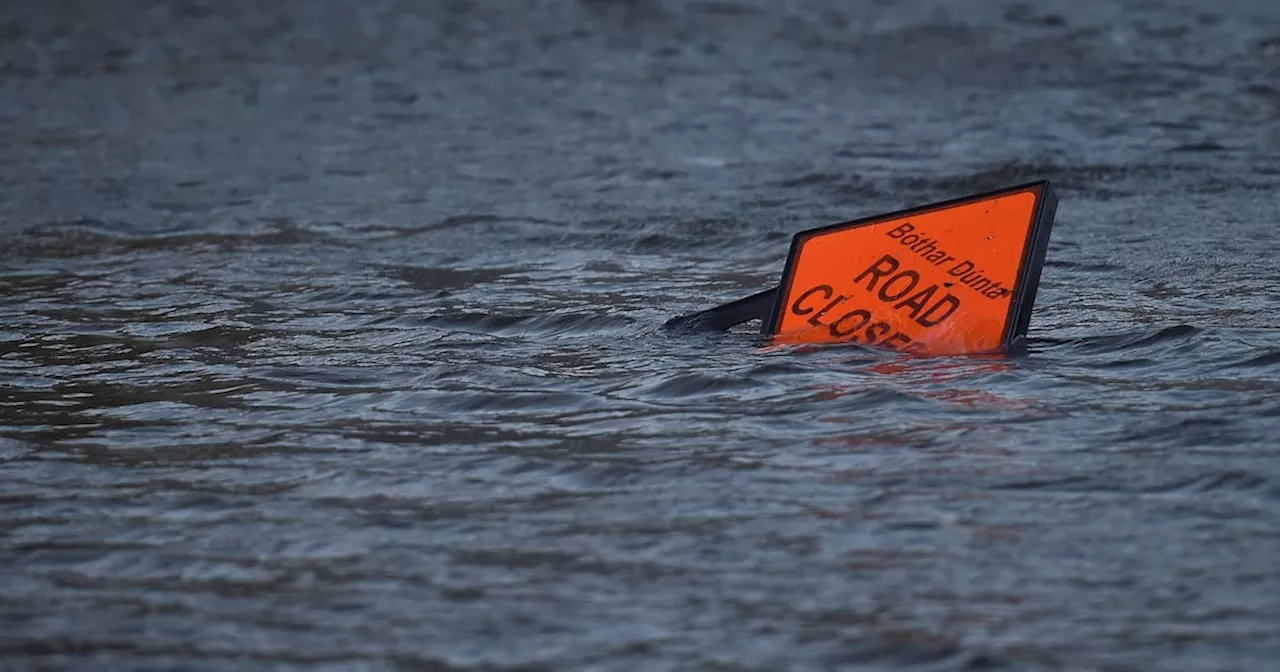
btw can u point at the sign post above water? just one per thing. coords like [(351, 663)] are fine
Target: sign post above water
[(949, 278)]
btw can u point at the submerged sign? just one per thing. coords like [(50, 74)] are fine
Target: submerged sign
[(948, 278)]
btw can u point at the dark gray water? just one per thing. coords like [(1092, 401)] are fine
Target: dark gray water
[(329, 338)]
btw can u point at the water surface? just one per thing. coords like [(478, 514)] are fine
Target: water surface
[(330, 338)]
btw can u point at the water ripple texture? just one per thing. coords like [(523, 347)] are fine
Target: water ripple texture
[(330, 338)]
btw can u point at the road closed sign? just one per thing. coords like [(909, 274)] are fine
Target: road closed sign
[(948, 278)]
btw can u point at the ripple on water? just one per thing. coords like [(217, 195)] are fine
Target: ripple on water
[(314, 355)]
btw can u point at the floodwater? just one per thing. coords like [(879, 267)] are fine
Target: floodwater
[(330, 338)]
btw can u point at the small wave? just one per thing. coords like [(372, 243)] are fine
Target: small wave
[(628, 233), (1231, 480), (832, 179), (1181, 333), (1071, 483), (698, 384), (1195, 432), (91, 237), (217, 336), (720, 8), (1271, 358), (675, 234), (1198, 148), (1025, 15), (505, 401), (442, 279), (554, 324), (1082, 266), (1098, 180), (464, 221)]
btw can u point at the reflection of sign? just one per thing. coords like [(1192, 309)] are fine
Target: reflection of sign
[(950, 278)]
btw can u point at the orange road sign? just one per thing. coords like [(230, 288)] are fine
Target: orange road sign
[(948, 278)]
